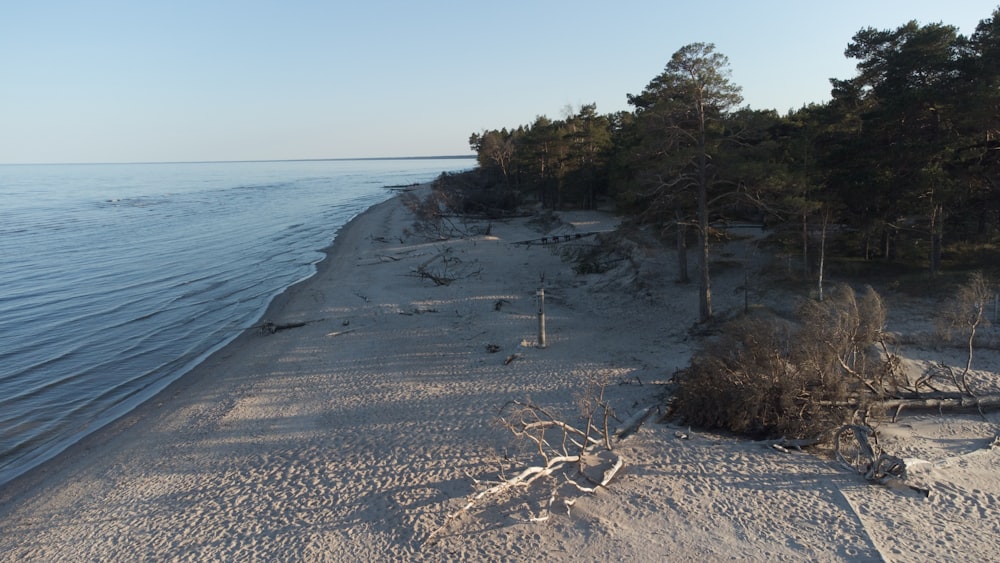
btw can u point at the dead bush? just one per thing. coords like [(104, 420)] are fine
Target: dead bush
[(770, 377), (604, 253), (430, 208), (965, 313), (841, 338), (434, 214)]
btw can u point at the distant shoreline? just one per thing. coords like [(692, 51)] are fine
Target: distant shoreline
[(348, 159)]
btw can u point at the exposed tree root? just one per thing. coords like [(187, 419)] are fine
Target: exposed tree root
[(579, 460)]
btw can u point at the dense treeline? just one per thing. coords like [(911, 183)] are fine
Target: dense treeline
[(561, 163), (900, 165)]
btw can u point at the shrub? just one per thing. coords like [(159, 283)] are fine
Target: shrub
[(965, 312), (766, 376)]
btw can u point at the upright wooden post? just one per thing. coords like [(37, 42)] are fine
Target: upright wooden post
[(541, 317)]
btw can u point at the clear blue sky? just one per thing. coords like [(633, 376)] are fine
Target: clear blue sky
[(135, 80)]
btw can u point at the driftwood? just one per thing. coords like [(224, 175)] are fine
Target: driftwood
[(856, 451), (340, 332), (785, 445), (268, 327), (418, 311), (438, 279), (558, 238), (559, 446), (632, 424), (525, 478), (981, 403), (444, 275), (963, 402)]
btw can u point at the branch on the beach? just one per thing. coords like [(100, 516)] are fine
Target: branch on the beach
[(580, 459), (418, 311), (526, 478), (438, 278), (632, 424), (554, 239), (432, 220), (855, 449), (981, 403), (269, 327), (449, 271), (340, 332)]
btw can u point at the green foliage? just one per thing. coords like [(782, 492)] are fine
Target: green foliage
[(476, 193), (560, 163), (900, 163)]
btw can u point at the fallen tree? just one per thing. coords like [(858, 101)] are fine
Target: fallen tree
[(964, 402), (980, 403), (770, 376)]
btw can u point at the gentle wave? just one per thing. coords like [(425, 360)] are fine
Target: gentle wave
[(117, 279)]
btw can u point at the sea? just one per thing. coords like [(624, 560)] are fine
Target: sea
[(116, 279)]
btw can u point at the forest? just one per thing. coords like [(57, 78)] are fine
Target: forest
[(897, 172)]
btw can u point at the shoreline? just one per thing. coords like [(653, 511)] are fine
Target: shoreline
[(393, 385), (358, 435), (35, 475)]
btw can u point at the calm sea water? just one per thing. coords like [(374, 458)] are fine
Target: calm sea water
[(115, 279)]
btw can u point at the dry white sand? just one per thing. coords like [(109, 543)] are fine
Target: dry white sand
[(352, 438)]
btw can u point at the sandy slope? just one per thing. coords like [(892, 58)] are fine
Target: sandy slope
[(352, 438)]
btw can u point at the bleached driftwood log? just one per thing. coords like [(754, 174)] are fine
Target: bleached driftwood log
[(632, 424), (856, 451), (560, 446), (955, 403), (964, 402)]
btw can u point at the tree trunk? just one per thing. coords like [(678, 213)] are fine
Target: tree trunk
[(822, 251), (982, 402), (682, 260), (704, 280), (937, 227), (805, 243), (890, 243), (987, 402)]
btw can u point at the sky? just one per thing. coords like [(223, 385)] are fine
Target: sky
[(206, 80)]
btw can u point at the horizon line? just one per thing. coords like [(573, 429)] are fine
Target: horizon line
[(437, 157)]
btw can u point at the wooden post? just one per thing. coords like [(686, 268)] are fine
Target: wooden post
[(541, 317)]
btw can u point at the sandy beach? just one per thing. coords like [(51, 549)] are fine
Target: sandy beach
[(356, 433)]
